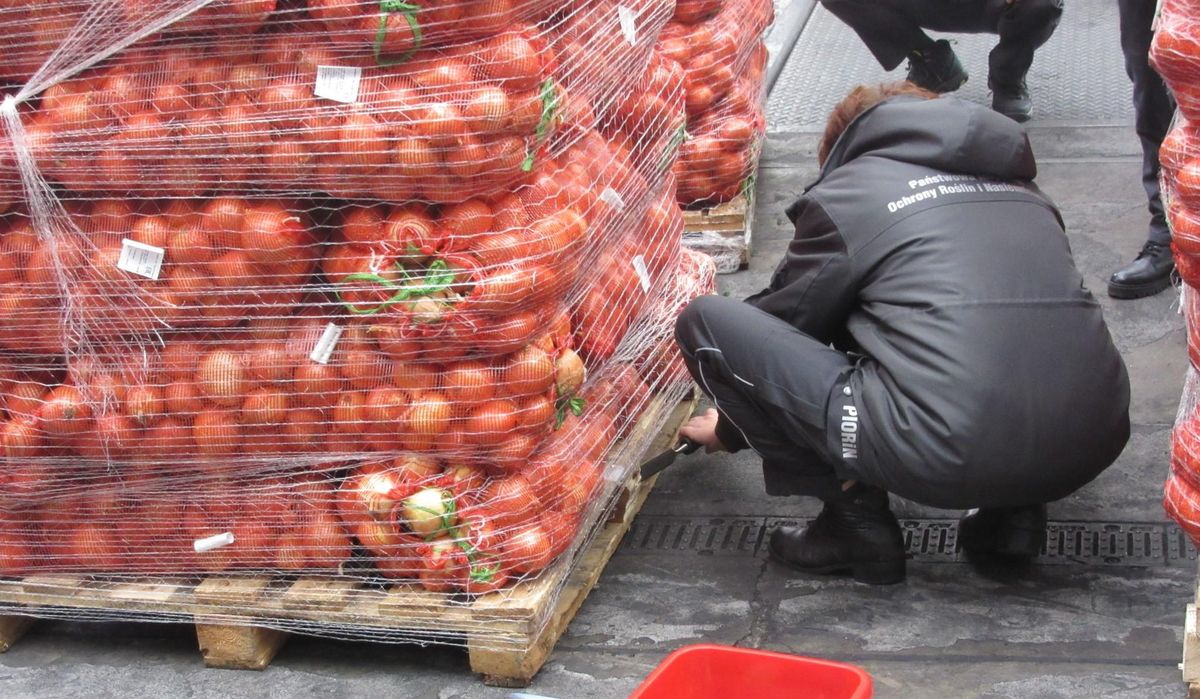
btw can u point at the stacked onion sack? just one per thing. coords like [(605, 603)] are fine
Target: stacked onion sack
[(329, 286), (1175, 54), (720, 47)]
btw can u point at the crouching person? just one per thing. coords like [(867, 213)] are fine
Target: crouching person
[(927, 334)]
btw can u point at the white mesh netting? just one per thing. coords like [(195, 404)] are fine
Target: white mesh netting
[(1175, 54), (376, 293)]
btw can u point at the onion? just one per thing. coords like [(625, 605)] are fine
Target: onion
[(316, 385), (529, 372), (217, 433), (112, 437), (20, 439), (362, 224), (569, 373), (427, 420), (327, 541), (265, 406), (513, 500), (183, 399), (469, 381), (143, 404), (385, 409), (528, 549), (415, 467), (221, 377), (428, 511), (65, 413), (491, 422)]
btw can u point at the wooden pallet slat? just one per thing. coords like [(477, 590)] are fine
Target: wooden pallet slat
[(416, 609), (238, 646), (229, 640), (724, 232), (220, 591), (146, 593), (319, 595), (56, 588), (12, 628), (1191, 645), (509, 634)]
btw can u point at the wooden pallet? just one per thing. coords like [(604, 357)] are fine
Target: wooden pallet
[(1191, 646), (723, 232), (238, 619)]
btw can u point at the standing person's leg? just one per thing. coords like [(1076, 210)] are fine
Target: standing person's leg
[(774, 388), (1153, 108), (891, 30), (1023, 26)]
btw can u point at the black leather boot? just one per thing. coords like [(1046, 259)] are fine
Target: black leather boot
[(1011, 99), (1016, 532), (936, 68), (1147, 275), (855, 533)]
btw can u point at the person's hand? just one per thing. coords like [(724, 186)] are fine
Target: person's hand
[(702, 430)]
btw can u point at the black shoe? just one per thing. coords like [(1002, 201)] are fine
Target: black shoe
[(1016, 532), (936, 68), (1011, 99), (855, 533), (1147, 275)]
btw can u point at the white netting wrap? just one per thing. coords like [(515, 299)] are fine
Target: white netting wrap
[(1175, 54), (378, 292), (719, 45)]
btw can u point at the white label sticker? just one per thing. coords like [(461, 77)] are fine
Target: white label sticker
[(338, 83), (639, 266), (324, 349), (613, 198), (617, 472), (140, 259), (211, 543), (628, 22)]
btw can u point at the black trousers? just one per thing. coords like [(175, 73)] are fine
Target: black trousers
[(775, 389), (893, 29), (1152, 103)]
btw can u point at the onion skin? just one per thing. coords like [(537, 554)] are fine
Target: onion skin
[(569, 373), (428, 511)]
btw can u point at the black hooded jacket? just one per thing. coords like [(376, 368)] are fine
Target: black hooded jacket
[(987, 375)]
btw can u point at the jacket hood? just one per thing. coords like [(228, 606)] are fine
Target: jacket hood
[(946, 134)]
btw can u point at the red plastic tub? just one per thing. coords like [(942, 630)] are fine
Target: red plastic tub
[(721, 672)]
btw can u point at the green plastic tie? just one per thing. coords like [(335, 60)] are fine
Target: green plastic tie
[(677, 140), (409, 10), (402, 295), (550, 114), (483, 574), (748, 186), (437, 278)]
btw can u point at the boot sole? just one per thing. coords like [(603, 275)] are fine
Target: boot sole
[(1019, 117), (1020, 543), (867, 572), (945, 86), (1117, 290), (1016, 543)]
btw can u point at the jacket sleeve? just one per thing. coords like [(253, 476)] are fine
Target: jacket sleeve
[(729, 435), (814, 288)]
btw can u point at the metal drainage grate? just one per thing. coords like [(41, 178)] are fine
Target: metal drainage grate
[(704, 535), (1132, 544)]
